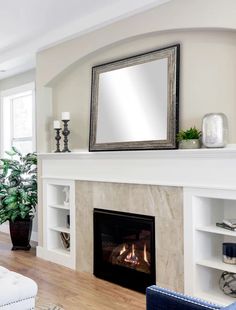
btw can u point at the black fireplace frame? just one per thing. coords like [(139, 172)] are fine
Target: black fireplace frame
[(123, 276)]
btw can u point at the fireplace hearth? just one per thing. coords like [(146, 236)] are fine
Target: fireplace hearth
[(124, 248)]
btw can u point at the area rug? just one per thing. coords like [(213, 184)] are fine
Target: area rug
[(49, 307)]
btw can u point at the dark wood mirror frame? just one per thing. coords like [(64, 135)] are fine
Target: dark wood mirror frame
[(172, 54)]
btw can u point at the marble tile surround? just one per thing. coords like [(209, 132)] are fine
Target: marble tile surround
[(163, 202)]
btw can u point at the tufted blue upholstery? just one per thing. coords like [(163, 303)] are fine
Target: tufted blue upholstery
[(163, 299)]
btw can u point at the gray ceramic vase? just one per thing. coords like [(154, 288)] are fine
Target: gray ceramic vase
[(214, 130)]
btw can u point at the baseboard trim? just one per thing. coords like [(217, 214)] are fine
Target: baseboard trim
[(34, 236), (4, 228), (56, 257)]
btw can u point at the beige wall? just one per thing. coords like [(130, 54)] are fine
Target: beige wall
[(175, 15), (17, 80), (207, 84), (208, 64)]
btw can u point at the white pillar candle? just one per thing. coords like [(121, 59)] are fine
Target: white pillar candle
[(65, 116), (56, 124)]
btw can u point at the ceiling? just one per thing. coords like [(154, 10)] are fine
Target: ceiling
[(27, 26)]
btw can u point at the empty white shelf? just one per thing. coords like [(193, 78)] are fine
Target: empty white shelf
[(216, 230), (217, 263), (60, 207), (61, 229)]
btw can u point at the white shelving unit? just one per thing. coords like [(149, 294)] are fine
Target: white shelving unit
[(58, 219), (203, 208)]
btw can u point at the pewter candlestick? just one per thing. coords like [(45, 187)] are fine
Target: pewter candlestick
[(66, 133), (58, 138)]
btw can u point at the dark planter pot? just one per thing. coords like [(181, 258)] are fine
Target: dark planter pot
[(20, 231)]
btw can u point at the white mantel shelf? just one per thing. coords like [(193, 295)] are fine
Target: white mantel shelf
[(206, 168), (220, 153)]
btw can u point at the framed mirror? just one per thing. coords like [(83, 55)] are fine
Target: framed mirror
[(134, 102)]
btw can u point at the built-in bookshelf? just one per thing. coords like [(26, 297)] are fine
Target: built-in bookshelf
[(58, 222), (203, 208)]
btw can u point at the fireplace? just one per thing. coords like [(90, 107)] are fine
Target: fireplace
[(124, 248)]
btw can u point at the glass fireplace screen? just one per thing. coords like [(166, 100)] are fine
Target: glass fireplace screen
[(124, 248)]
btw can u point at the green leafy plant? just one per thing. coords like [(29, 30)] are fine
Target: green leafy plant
[(18, 186), (192, 133)]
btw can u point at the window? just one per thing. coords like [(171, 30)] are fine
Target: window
[(18, 119)]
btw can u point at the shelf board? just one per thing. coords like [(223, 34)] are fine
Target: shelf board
[(60, 251), (60, 207), (216, 263), (216, 296), (216, 230), (60, 229), (227, 152)]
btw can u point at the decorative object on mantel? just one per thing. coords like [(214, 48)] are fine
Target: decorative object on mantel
[(65, 117), (214, 130), (229, 253), (228, 283), (57, 128), (189, 139), (134, 102)]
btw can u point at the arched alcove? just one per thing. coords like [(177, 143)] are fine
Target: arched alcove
[(207, 78)]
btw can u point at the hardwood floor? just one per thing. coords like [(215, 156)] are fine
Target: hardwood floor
[(72, 290)]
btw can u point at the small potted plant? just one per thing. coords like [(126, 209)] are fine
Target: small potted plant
[(18, 195), (189, 139)]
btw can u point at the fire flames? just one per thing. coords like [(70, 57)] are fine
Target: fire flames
[(145, 254), (131, 257), (123, 249)]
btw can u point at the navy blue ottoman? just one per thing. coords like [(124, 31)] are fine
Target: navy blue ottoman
[(163, 299)]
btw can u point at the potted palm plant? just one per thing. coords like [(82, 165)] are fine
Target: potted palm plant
[(18, 195), (189, 139)]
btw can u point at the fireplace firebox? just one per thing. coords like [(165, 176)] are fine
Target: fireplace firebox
[(124, 248)]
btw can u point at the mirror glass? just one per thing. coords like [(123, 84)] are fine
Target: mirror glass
[(132, 103)]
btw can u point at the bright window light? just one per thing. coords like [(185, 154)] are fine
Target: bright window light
[(18, 119)]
